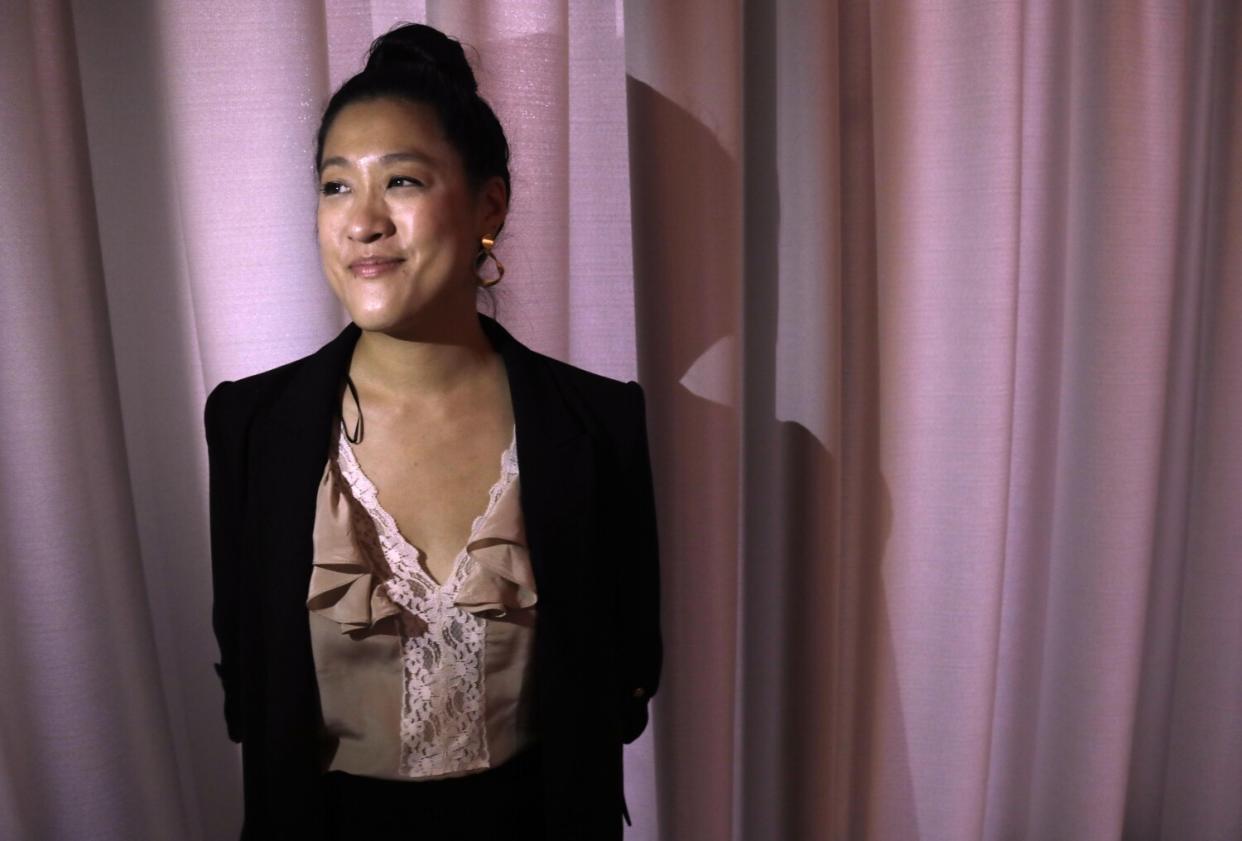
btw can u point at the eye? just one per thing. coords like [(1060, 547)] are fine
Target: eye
[(404, 181), (331, 188)]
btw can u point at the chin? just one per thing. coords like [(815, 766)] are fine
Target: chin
[(377, 321), (374, 312), (391, 320)]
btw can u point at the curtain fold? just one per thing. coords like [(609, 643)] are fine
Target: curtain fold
[(937, 309), (82, 686)]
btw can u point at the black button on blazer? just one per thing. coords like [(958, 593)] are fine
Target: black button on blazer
[(589, 509)]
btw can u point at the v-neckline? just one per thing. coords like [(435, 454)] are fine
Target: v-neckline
[(389, 523)]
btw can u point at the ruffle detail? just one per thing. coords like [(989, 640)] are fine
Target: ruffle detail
[(345, 584), (493, 578), (365, 570), (497, 577)]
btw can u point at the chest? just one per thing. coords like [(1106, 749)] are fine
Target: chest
[(434, 478)]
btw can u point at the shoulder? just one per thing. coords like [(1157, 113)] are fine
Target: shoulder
[(611, 410), (592, 388), (232, 404), (615, 409)]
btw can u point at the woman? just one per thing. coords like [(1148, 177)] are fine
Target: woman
[(435, 570)]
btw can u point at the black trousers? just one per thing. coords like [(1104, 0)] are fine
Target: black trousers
[(505, 802)]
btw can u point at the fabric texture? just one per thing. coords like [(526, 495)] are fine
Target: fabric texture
[(937, 308), (418, 678)]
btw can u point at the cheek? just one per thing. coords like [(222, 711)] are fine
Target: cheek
[(330, 255), (427, 223), (326, 228), (321, 225), (445, 215)]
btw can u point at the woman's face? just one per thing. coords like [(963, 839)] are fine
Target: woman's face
[(398, 222)]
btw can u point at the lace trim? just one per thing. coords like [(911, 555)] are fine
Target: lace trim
[(442, 717)]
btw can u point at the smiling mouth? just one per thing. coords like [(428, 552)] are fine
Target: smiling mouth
[(374, 266)]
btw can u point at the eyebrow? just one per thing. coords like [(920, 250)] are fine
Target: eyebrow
[(391, 157)]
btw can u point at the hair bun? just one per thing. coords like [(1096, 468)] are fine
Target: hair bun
[(415, 47)]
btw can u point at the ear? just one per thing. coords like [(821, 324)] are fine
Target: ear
[(492, 206)]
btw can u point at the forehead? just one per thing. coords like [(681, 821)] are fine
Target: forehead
[(379, 127)]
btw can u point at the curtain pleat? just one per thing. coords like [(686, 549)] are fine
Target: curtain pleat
[(83, 688)]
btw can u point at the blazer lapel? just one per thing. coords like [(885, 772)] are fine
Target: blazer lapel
[(291, 445)]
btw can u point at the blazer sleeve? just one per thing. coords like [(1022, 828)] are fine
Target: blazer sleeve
[(226, 494), (643, 651)]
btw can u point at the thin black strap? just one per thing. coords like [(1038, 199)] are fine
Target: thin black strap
[(357, 426)]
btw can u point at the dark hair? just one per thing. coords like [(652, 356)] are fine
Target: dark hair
[(421, 64)]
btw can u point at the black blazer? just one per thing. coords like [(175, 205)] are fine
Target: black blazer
[(589, 510)]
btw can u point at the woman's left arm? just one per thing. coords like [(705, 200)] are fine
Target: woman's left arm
[(642, 653)]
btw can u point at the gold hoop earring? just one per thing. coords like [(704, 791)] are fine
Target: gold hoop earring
[(485, 252)]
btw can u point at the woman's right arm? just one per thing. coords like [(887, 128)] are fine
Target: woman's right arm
[(226, 492)]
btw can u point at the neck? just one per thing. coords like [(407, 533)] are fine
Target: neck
[(427, 361)]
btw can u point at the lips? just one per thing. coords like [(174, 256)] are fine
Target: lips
[(374, 266)]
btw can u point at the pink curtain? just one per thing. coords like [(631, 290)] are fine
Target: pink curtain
[(939, 312)]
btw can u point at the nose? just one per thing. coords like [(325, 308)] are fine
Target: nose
[(370, 219)]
